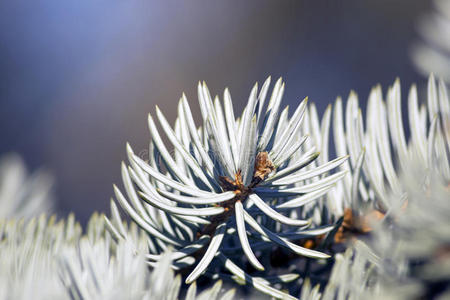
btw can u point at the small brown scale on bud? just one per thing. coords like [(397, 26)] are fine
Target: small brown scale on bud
[(263, 167), (354, 225)]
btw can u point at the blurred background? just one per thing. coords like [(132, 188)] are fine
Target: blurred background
[(77, 78)]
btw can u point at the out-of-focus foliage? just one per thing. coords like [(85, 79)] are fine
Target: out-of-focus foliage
[(406, 180), (407, 256), (381, 145), (48, 259), (23, 195), (432, 53)]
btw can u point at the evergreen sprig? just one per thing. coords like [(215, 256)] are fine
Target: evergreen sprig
[(224, 183)]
